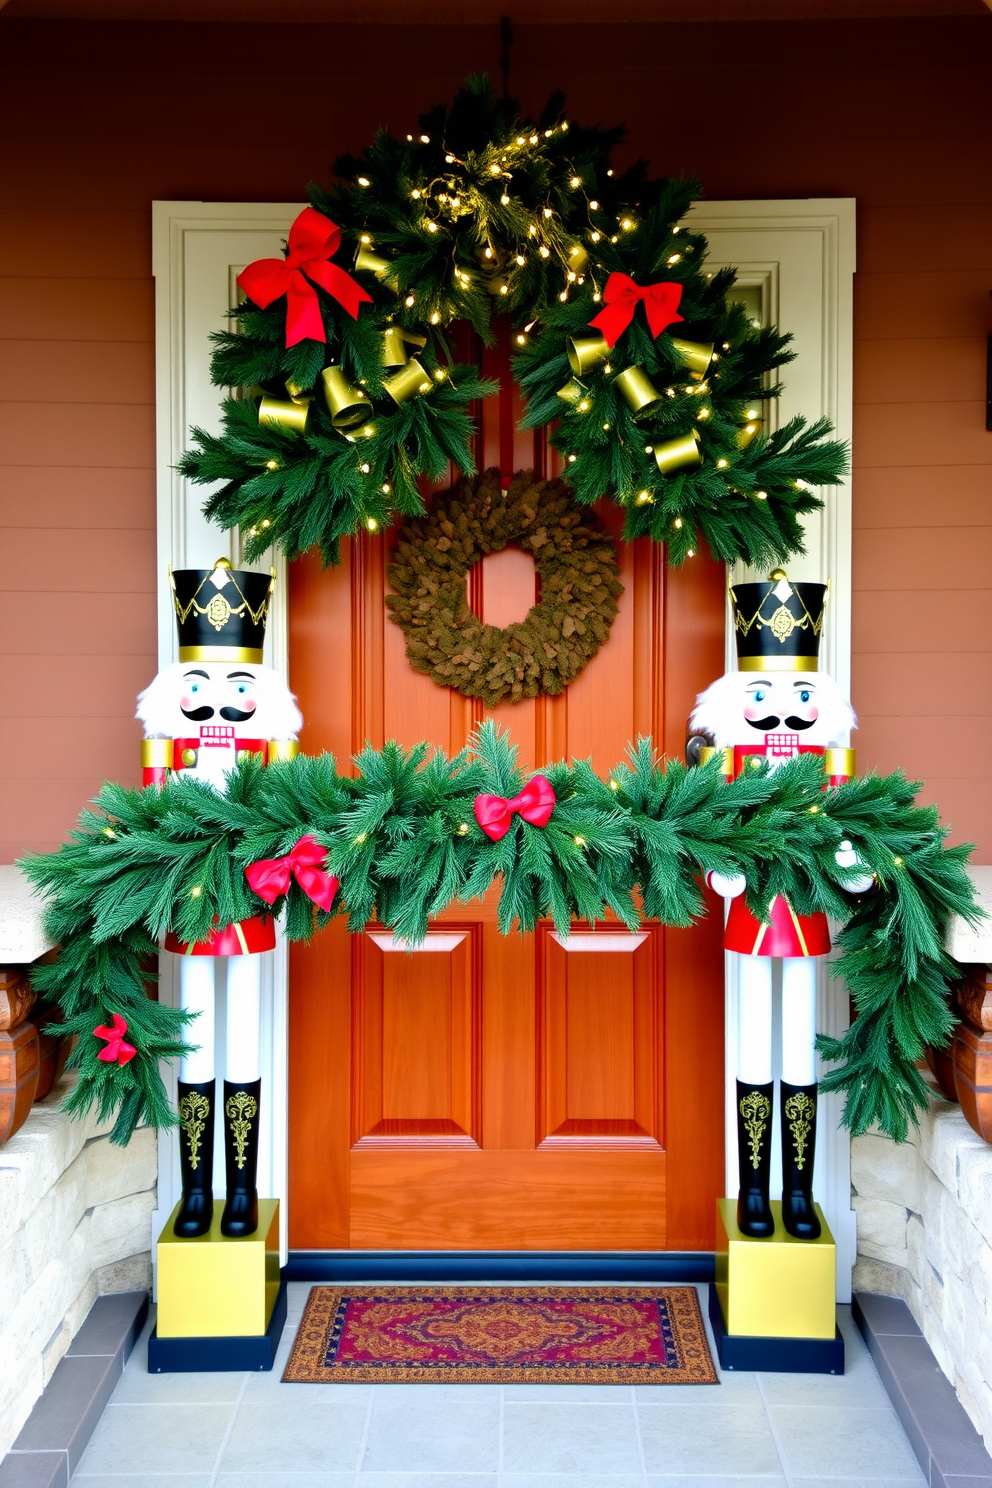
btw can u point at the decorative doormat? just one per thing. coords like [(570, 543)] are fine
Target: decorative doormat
[(502, 1335)]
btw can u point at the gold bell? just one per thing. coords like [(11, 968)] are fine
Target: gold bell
[(572, 392), (750, 431), (373, 263), (285, 413), (394, 343), (410, 380), (640, 393), (347, 405), (586, 352), (679, 453), (577, 258), (297, 391), (696, 356)]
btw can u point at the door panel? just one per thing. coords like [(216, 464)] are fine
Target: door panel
[(492, 1092)]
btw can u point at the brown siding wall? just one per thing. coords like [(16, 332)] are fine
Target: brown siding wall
[(99, 120)]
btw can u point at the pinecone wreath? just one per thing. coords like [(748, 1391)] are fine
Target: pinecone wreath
[(573, 554)]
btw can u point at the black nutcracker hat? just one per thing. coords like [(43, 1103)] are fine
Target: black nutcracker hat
[(221, 611), (777, 624)]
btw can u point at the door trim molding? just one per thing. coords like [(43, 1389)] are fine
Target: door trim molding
[(827, 222)]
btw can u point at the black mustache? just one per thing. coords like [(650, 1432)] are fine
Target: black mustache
[(198, 715), (234, 715), (766, 725)]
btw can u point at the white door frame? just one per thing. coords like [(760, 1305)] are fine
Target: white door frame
[(798, 254)]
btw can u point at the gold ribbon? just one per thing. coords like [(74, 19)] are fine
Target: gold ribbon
[(639, 392), (394, 344), (586, 352), (696, 356), (285, 413), (347, 405), (408, 382), (572, 392), (373, 263), (678, 453), (750, 431)]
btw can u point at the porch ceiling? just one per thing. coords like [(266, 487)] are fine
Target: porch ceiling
[(479, 12)]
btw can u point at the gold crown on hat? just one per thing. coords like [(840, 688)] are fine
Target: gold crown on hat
[(778, 623)]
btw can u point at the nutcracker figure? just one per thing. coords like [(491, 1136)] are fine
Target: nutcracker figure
[(200, 715), (775, 706)]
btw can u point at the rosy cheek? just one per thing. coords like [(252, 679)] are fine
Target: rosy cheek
[(810, 713), (247, 705), (754, 710), (186, 701)]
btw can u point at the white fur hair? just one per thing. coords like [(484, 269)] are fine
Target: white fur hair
[(720, 709), (276, 715)]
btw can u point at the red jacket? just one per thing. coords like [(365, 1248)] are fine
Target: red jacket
[(781, 931)]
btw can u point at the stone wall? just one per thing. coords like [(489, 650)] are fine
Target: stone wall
[(75, 1222), (924, 1212)]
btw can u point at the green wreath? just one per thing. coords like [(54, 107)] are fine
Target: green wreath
[(479, 212), (574, 557)]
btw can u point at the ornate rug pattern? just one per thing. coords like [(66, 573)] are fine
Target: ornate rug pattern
[(502, 1335)]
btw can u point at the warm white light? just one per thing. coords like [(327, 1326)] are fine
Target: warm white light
[(385, 488), (678, 521), (594, 206), (545, 252), (372, 524), (576, 181), (505, 200), (409, 301), (363, 180), (365, 468), (425, 139), (432, 227), (495, 169), (721, 464), (435, 318)]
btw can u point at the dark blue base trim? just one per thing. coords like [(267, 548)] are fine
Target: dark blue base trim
[(212, 1355), (441, 1266), (774, 1355)]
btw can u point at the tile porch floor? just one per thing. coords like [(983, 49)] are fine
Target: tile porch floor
[(251, 1431)]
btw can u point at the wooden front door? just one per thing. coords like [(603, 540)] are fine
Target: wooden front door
[(490, 1092)]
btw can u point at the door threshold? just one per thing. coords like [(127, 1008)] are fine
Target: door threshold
[(439, 1266)]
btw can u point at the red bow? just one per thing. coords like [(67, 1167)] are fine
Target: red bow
[(117, 1051), (313, 238), (535, 804), (622, 297), (270, 877)]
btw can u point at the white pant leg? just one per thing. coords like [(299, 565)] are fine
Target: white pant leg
[(244, 984), (798, 1020), (196, 995), (754, 1020)]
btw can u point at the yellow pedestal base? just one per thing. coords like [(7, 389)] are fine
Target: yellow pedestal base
[(216, 1287), (775, 1288)]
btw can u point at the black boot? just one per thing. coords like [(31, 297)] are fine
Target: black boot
[(241, 1106), (196, 1159), (798, 1151), (754, 1155)]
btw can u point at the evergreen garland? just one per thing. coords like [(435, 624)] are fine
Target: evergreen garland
[(574, 557), (401, 837), (480, 212)]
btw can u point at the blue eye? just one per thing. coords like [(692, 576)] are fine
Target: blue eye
[(804, 696), (244, 689), (759, 697), (195, 687)]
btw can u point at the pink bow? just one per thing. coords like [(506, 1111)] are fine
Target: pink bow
[(313, 238), (535, 804), (117, 1051), (622, 296), (270, 877)]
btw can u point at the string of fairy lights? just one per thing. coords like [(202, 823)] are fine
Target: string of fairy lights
[(476, 216)]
